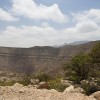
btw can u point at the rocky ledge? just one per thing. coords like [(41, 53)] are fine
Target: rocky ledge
[(20, 92)]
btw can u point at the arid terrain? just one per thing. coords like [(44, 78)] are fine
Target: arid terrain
[(20, 92), (20, 69), (39, 59)]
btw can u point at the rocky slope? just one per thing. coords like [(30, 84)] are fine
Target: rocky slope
[(39, 59), (20, 92)]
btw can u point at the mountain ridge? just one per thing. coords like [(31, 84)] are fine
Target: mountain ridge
[(39, 59)]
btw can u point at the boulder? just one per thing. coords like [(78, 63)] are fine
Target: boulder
[(1, 91), (66, 82), (84, 82), (43, 85), (17, 85), (96, 95), (26, 93), (69, 89), (34, 81), (79, 90)]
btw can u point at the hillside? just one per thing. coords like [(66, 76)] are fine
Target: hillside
[(39, 59)]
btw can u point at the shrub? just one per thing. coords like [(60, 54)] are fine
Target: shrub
[(83, 66), (25, 81), (9, 83), (78, 67), (95, 61), (56, 84), (98, 81), (43, 77), (75, 78), (90, 87)]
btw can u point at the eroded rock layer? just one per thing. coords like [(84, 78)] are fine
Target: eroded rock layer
[(39, 59)]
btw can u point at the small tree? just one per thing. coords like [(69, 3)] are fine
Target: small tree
[(95, 60), (78, 68)]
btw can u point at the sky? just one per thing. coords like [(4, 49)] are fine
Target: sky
[(28, 23)]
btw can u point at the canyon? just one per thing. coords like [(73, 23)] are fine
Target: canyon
[(40, 59)]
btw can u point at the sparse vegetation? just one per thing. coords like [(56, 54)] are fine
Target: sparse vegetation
[(83, 67), (43, 77), (51, 83), (9, 83), (95, 61), (90, 87), (56, 84), (25, 82)]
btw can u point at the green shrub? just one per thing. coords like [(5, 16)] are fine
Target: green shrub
[(43, 77), (56, 84), (95, 61), (75, 79), (9, 83), (98, 81), (25, 81), (90, 87), (79, 67)]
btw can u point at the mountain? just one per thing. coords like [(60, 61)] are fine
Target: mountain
[(73, 43), (39, 59), (78, 42)]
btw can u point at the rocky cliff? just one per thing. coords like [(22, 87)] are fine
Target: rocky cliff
[(39, 59)]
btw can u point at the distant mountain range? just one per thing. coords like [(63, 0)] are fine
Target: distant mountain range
[(41, 59), (73, 43), (78, 42)]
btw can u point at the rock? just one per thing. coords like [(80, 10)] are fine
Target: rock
[(17, 85), (21, 91), (1, 91), (43, 85), (79, 90), (29, 86), (53, 90), (66, 82), (34, 81), (69, 89), (30, 93), (1, 98), (96, 95), (84, 82), (35, 86)]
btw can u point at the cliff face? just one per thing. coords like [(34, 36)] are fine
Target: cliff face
[(39, 59)]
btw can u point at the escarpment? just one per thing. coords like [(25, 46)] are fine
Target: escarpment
[(39, 59)]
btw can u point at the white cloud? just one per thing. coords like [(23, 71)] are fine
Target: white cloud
[(29, 9), (90, 15), (87, 21), (6, 16), (86, 28), (28, 36)]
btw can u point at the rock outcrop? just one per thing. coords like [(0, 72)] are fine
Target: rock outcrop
[(20, 92), (96, 95)]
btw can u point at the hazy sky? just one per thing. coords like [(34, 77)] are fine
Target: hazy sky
[(27, 23)]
